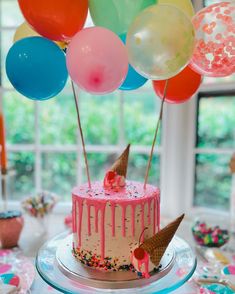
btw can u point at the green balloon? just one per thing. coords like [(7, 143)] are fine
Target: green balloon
[(117, 15)]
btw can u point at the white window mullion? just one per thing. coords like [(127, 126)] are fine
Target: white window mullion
[(190, 155), (177, 159)]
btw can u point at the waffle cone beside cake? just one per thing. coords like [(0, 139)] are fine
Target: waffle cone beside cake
[(157, 245), (121, 164)]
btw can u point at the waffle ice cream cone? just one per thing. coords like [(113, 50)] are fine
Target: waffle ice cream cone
[(121, 164), (157, 245)]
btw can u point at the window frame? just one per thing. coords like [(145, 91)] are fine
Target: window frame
[(218, 89)]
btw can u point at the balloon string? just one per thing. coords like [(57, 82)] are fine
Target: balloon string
[(155, 135), (81, 133)]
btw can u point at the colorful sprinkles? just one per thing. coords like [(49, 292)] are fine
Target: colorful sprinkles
[(132, 191), (209, 236), (92, 260)]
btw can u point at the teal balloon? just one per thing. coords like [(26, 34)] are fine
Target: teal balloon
[(36, 67), (133, 79)]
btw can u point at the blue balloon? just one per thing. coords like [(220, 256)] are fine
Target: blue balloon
[(133, 79), (36, 67)]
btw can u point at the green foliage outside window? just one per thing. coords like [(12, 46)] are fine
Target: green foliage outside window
[(58, 126), (216, 129)]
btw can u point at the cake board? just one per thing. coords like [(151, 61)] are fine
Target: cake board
[(57, 267)]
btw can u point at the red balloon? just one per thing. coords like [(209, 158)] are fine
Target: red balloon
[(58, 20), (180, 88)]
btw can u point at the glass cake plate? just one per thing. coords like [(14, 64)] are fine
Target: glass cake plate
[(57, 267)]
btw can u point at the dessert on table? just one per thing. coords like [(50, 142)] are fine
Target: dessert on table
[(116, 223)]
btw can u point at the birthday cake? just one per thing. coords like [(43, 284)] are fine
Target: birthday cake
[(113, 220)]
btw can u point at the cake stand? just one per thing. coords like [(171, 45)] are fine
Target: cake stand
[(57, 267)]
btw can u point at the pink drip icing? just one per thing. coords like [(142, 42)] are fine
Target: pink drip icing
[(123, 205), (89, 219), (149, 211), (144, 261), (99, 207), (158, 214), (140, 263), (102, 232), (96, 218), (73, 218), (133, 220), (142, 221), (154, 216), (79, 202), (113, 218)]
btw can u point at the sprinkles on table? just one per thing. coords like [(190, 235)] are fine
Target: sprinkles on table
[(209, 236)]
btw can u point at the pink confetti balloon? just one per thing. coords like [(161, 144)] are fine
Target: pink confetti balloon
[(97, 60), (214, 53)]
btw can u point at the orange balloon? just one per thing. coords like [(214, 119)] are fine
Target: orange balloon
[(58, 20), (180, 88)]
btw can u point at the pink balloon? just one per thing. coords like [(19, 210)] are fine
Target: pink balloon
[(214, 54), (97, 60)]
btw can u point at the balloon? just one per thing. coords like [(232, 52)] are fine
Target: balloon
[(133, 80), (97, 60), (57, 20), (214, 54), (160, 42), (36, 68), (185, 5), (180, 88), (117, 15), (24, 31)]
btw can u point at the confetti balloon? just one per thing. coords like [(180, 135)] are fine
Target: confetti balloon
[(58, 20), (97, 60), (214, 54), (160, 42), (117, 15), (181, 87)]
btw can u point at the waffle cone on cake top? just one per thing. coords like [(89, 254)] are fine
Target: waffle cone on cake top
[(157, 245), (121, 164)]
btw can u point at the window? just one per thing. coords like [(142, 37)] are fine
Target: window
[(215, 141), (45, 153), (215, 144), (43, 143)]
